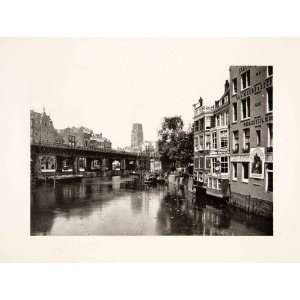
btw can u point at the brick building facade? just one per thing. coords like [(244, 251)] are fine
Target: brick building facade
[(251, 132), (233, 154)]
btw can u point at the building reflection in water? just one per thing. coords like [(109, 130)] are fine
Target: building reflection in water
[(136, 201), (181, 214), (116, 183), (122, 207)]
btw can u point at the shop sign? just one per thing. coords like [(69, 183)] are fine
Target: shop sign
[(257, 162), (257, 121)]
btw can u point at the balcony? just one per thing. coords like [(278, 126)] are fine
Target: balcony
[(270, 149), (199, 110), (246, 148), (235, 149)]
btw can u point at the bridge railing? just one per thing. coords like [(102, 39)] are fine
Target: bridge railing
[(88, 148)]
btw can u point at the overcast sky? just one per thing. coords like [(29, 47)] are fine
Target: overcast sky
[(108, 84)]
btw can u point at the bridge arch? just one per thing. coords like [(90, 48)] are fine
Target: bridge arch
[(116, 165), (47, 162)]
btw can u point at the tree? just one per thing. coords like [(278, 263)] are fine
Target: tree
[(186, 147), (175, 145)]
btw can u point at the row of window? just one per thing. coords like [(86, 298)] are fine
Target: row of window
[(209, 141), (245, 106), (222, 102), (219, 120), (220, 165), (246, 81), (246, 139), (204, 123), (222, 119), (217, 165), (245, 174), (244, 167)]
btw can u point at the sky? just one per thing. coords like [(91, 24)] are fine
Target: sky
[(108, 84)]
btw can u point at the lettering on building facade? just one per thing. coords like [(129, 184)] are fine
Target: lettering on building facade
[(258, 120), (256, 89)]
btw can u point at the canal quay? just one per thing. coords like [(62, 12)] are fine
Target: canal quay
[(126, 206)]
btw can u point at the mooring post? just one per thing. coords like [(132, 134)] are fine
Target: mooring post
[(55, 164), (249, 205)]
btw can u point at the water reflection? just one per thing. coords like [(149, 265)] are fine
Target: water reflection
[(136, 201), (124, 207)]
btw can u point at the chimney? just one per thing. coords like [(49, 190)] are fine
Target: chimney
[(201, 101)]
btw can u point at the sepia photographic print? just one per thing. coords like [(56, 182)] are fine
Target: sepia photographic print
[(148, 137)]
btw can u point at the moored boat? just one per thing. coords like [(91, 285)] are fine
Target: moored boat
[(150, 180), (66, 178), (160, 180)]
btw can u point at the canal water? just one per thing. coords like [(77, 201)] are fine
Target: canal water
[(97, 206)]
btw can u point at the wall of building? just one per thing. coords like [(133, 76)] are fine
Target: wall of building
[(258, 120), (203, 122), (35, 127), (260, 156), (137, 136), (208, 126), (41, 128), (43, 131)]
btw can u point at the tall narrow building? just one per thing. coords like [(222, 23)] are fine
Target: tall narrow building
[(218, 178), (251, 131), (211, 146), (137, 137)]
